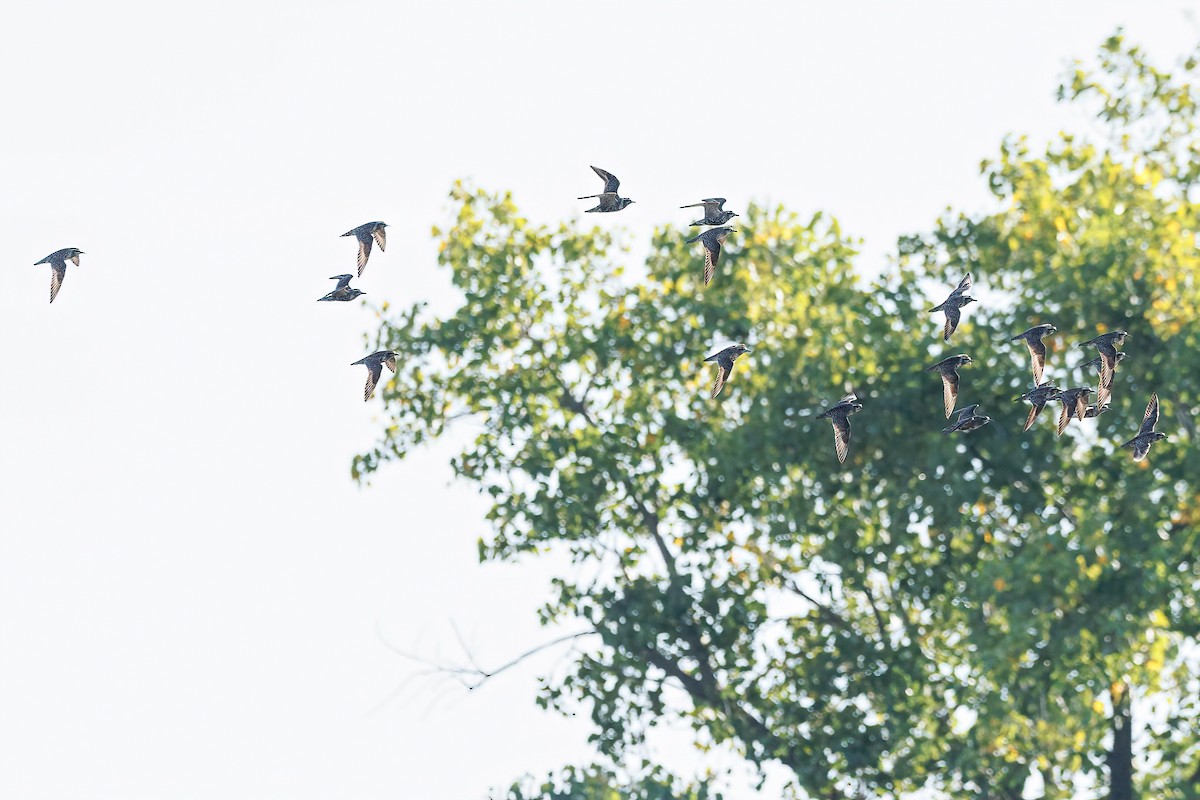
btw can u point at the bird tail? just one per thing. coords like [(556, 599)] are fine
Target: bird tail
[(695, 238), (937, 308)]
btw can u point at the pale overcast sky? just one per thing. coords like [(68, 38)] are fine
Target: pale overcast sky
[(194, 596)]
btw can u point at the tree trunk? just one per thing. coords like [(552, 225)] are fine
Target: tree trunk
[(1120, 758)]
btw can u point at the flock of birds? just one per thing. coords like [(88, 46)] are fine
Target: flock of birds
[(1074, 400)]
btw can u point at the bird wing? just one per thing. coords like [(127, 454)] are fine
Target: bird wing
[(1034, 410), (380, 237), (1108, 366), (1037, 351), (1064, 418), (1141, 449), (953, 315), (712, 206), (841, 436), (364, 252), (963, 286), (374, 371), (610, 181), (1151, 419), (390, 360), (1081, 404), (712, 254), (75, 259), (342, 281), (58, 274), (950, 391), (719, 383)]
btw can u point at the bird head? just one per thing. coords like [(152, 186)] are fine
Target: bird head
[(356, 293), (967, 299), (965, 359), (741, 348), (1159, 436)]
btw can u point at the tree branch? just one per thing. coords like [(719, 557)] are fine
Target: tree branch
[(474, 676)]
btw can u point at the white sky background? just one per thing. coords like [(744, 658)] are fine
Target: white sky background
[(190, 583)]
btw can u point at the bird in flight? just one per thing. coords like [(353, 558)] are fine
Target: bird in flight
[(1038, 397), (1146, 436), (58, 267), (725, 359), (948, 369), (608, 200), (714, 212), (366, 234), (1107, 344), (1097, 363), (343, 292), (712, 239), (953, 305), (374, 364), (839, 416), (967, 421), (1074, 404), (1095, 410), (1037, 348)]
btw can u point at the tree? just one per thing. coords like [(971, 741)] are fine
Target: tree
[(599, 783), (938, 612)]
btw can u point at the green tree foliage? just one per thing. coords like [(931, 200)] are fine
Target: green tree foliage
[(600, 783), (938, 612)]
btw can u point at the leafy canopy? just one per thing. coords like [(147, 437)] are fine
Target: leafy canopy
[(940, 612)]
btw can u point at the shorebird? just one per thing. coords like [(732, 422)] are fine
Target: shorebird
[(1037, 348), (1107, 344), (1146, 436), (343, 292), (948, 369), (725, 359), (374, 364), (712, 239), (371, 231), (952, 306), (1038, 397), (967, 421), (1074, 404), (839, 416), (58, 267), (714, 212), (608, 200)]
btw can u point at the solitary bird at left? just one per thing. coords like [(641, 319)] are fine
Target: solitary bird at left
[(58, 267)]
